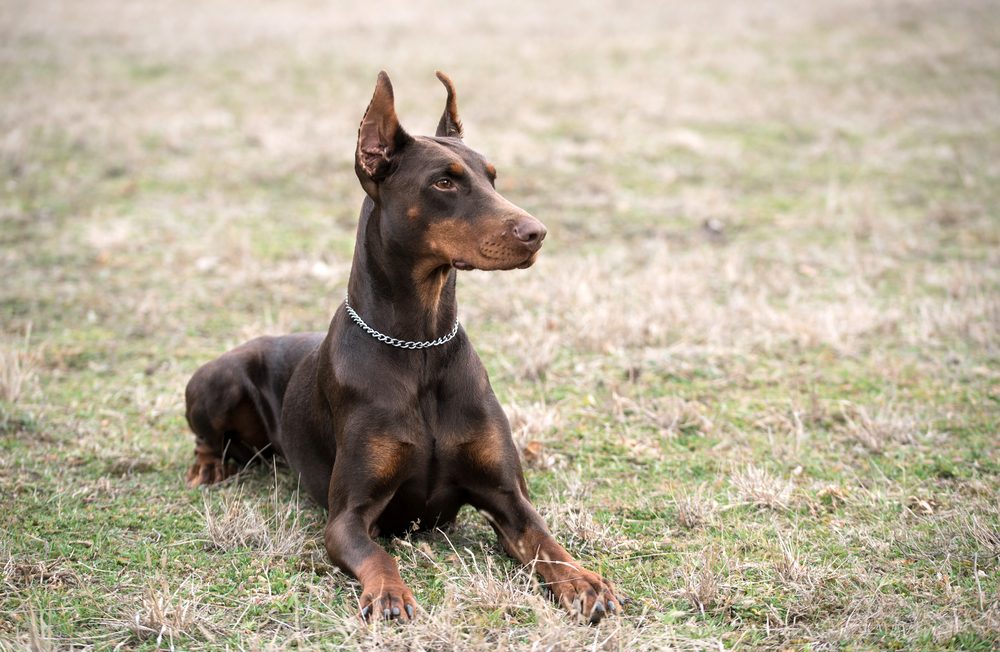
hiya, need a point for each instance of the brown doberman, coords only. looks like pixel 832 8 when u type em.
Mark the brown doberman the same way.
pixel 389 417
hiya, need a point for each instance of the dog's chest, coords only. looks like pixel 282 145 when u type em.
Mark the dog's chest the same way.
pixel 427 499
pixel 430 495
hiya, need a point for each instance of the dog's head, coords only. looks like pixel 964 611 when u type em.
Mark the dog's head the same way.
pixel 437 197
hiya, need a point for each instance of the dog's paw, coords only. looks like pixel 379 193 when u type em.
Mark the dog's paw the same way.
pixel 206 472
pixel 388 602
pixel 588 597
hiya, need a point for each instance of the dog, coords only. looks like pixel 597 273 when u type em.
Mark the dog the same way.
pixel 389 417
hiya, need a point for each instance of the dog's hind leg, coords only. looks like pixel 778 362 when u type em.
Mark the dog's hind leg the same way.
pixel 234 403
pixel 230 420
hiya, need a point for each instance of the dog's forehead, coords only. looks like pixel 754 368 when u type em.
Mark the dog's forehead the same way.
pixel 441 151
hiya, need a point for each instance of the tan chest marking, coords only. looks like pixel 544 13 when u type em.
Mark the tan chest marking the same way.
pixel 385 458
pixel 486 451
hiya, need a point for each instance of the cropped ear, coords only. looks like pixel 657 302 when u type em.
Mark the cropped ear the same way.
pixel 380 137
pixel 450 124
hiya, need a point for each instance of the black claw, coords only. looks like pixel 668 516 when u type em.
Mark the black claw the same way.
pixel 385 613
pixel 395 611
pixel 365 611
pixel 612 607
pixel 598 608
pixel 409 611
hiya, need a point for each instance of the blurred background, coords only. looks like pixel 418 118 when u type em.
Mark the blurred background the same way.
pixel 764 324
pixel 165 160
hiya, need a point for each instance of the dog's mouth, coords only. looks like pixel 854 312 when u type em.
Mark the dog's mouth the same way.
pixel 496 264
pixel 529 261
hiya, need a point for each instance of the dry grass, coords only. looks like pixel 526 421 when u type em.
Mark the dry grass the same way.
pixel 38 638
pixel 757 487
pixel 446 629
pixel 475 585
pixel 705 581
pixel 236 521
pixel 751 303
pixel 694 509
pixel 531 426
pixel 984 530
pixel 671 415
pixel 876 431
pixel 18 366
pixel 571 520
pixel 165 615
pixel 789 568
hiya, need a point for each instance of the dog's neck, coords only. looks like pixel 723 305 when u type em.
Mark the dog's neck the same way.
pixel 396 293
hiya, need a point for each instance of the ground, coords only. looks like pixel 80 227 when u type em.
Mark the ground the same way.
pixel 754 374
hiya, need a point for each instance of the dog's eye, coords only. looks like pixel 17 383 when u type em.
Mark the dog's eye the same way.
pixel 444 183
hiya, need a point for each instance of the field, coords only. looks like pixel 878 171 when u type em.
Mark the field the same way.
pixel 755 374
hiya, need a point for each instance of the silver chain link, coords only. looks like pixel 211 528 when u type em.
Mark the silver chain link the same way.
pixel 402 344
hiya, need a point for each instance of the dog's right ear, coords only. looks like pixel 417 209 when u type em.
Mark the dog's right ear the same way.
pixel 380 137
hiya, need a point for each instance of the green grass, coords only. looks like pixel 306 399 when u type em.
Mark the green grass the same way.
pixel 755 373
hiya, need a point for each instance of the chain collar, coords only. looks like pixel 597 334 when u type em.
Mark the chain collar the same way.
pixel 402 344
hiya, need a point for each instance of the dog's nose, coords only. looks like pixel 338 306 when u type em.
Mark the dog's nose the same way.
pixel 531 232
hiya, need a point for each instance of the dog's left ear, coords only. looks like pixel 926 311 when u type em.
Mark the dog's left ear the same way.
pixel 450 125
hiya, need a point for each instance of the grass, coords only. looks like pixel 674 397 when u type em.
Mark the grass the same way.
pixel 754 375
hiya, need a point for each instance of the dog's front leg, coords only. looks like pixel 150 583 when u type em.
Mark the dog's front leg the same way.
pixel 363 481
pixel 523 534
